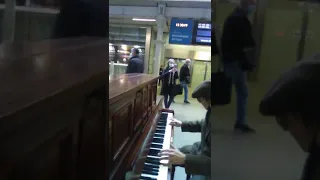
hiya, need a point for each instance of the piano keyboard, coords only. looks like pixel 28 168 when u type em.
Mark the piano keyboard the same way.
pixel 153 170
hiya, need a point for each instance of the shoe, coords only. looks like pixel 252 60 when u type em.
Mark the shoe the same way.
pixel 244 128
pixel 186 102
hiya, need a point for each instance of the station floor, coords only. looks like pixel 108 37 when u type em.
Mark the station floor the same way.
pixel 270 154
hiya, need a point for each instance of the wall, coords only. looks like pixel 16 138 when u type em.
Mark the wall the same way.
pixel 281 36
pixel 33 26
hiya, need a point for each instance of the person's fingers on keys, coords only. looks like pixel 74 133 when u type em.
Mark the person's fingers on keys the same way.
pixel 164 158
pixel 164 151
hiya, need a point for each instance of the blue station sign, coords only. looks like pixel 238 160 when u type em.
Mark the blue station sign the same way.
pixel 181 31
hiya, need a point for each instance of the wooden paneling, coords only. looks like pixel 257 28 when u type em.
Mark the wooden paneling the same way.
pixel 57 121
pixel 131 116
pixel 53 112
pixel 121 131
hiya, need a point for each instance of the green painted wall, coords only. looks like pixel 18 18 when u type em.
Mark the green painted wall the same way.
pixel 278 51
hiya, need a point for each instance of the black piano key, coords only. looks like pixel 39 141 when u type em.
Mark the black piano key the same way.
pixel 160 131
pixel 151 161
pixel 158 146
pixel 157 140
pixel 154 152
pixel 150 172
pixel 152 166
pixel 159 136
pixel 146 178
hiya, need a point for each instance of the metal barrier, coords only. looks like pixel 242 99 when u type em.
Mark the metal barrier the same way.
pixel 117 68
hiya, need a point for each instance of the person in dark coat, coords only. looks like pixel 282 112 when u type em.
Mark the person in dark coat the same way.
pixel 160 72
pixel 185 79
pixel 215 49
pixel 135 64
pixel 169 77
pixel 236 43
pixel 195 158
pixel 82 18
pixel 293 100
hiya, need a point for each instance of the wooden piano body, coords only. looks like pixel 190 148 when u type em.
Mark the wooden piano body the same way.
pixel 133 111
pixel 56 119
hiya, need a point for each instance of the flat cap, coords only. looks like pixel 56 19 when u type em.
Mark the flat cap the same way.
pixel 296 90
pixel 203 90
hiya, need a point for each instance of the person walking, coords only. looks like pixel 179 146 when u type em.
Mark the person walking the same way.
pixel 185 79
pixel 236 42
pixel 169 77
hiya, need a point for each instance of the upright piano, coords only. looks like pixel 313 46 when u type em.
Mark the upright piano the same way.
pixel 63 118
pixel 138 127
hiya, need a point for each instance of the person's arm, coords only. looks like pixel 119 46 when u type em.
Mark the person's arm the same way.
pixel 191 126
pixel 197 165
pixel 176 76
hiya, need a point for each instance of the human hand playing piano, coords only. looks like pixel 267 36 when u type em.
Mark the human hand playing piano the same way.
pixel 175 122
pixel 173 155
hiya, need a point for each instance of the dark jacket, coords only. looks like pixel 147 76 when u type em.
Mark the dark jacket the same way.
pixel 135 65
pixel 168 81
pixel 236 36
pixel 215 49
pixel 312 165
pixel 184 74
pixel 160 71
pixel 82 18
pixel 199 162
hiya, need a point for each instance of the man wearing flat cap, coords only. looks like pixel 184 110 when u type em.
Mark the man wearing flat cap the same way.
pixel 294 101
pixel 195 158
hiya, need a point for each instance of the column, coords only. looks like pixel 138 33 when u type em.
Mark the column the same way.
pixel 9 21
pixel 159 44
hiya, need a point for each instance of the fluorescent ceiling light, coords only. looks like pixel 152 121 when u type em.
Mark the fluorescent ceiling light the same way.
pixel 146 20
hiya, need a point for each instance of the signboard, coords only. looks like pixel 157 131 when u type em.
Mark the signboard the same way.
pixel 181 31
pixel 202 33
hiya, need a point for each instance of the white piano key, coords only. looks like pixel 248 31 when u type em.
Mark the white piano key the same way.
pixel 148 175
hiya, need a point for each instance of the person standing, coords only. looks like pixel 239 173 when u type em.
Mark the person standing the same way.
pixel 236 43
pixel 135 64
pixel 160 72
pixel 169 77
pixel 185 79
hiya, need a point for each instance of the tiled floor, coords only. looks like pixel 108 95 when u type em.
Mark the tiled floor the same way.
pixel 271 154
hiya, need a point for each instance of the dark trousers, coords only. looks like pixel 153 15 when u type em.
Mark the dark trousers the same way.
pixel 168 100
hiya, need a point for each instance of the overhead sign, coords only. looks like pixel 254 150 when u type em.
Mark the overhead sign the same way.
pixel 181 31
pixel 202 33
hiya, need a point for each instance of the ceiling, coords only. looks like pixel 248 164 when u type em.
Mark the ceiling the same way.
pixel 148 3
pixel 169 3
pixel 125 21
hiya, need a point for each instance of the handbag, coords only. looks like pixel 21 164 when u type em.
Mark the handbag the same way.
pixel 177 89
pixel 221 87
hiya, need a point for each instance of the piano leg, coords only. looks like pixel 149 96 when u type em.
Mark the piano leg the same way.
pixel 173 169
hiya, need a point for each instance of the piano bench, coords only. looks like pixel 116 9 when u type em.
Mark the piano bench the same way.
pixel 173 169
